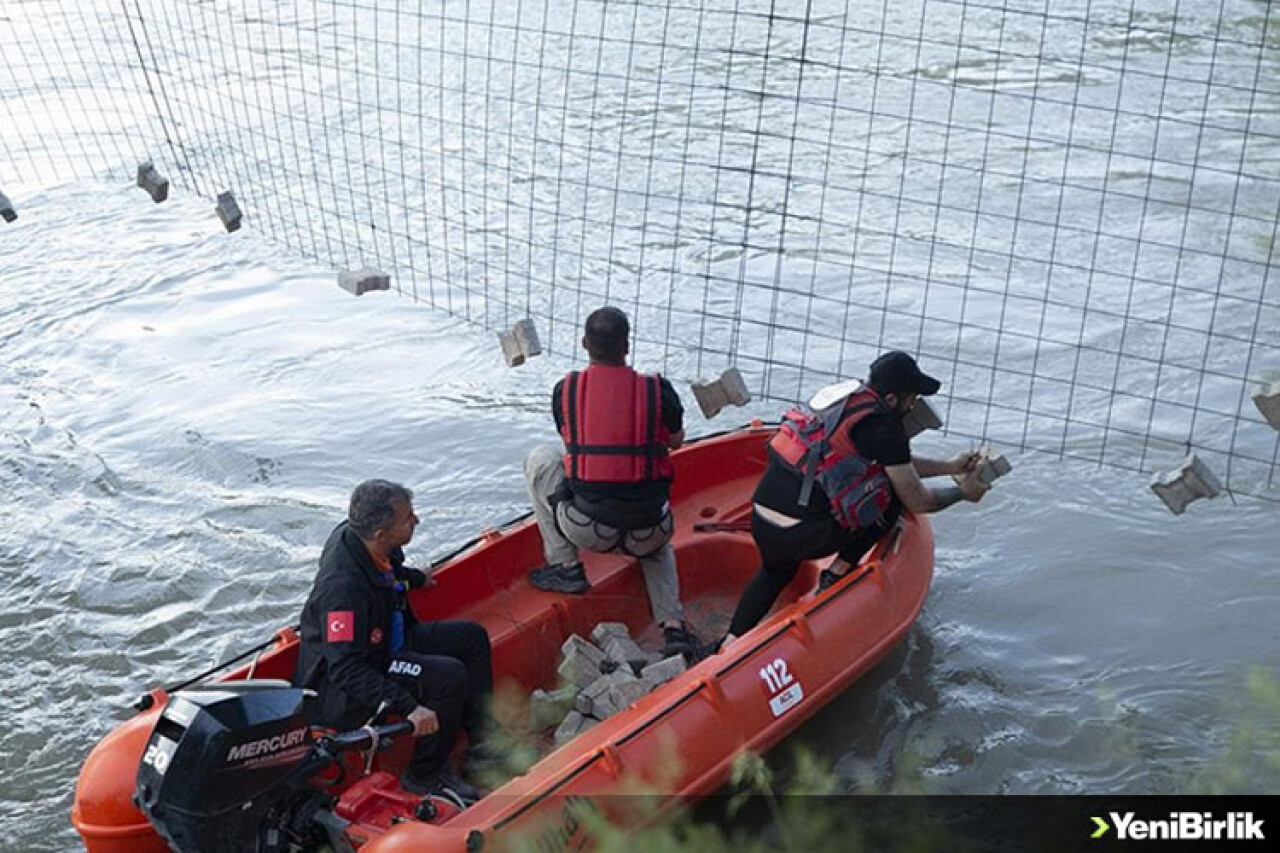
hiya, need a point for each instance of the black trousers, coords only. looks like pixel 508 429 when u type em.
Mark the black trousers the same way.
pixel 446 665
pixel 783 549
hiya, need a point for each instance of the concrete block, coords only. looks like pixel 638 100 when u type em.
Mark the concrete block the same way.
pixel 603 694
pixel 996 466
pixel 1266 398
pixel 546 709
pixel 650 658
pixel 624 690
pixel 624 650
pixel 714 394
pixel 521 343
pixel 591 699
pixel 663 671
pixel 360 282
pixel 581 661
pixel 622 676
pixel 229 211
pixel 6 209
pixel 604 707
pixel 1189 482
pixel 634 667
pixel 609 694
pixel 601 633
pixel 920 418
pixel 156 184
pixel 574 724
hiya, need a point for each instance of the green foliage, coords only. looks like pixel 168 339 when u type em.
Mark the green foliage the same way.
pixel 1250 761
pixel 795 801
pixel 809 811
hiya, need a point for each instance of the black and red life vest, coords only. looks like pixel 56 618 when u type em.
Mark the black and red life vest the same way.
pixel 612 426
pixel 817 445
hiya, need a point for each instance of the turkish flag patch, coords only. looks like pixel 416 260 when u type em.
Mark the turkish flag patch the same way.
pixel 341 626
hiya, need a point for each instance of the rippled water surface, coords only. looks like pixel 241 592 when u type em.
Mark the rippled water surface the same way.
pixel 184 412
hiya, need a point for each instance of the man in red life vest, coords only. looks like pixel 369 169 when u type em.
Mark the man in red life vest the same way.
pixel 838 479
pixel 607 488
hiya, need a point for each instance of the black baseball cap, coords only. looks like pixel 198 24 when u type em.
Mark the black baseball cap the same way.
pixel 895 372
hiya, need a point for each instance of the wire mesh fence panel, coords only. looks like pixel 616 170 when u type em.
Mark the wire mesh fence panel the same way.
pixel 74 100
pixel 1067 210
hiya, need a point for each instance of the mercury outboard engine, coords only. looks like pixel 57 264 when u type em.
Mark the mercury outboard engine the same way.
pixel 226 770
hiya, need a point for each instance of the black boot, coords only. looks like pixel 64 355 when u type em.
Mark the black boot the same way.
pixel 561 578
pixel 679 640
pixel 442 782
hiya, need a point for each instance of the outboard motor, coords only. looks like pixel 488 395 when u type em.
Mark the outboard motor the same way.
pixel 226 770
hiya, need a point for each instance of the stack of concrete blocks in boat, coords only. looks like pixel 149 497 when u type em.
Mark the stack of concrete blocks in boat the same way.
pixel 601 677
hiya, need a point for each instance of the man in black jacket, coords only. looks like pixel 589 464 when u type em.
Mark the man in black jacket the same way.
pixel 362 646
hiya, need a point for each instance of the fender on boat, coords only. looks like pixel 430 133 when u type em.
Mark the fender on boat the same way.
pixel 104 813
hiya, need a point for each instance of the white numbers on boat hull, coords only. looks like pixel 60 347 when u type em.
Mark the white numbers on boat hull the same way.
pixel 784 691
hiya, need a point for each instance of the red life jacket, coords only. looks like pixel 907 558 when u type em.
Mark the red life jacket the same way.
pixel 817 445
pixel 612 426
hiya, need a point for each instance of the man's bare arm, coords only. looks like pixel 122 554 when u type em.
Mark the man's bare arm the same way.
pixel 919 498
pixel 961 463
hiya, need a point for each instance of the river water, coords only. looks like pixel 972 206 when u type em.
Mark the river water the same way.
pixel 183 413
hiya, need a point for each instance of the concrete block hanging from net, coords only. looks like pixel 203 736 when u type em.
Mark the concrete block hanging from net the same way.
pixel 228 210
pixel 155 184
pixel 1267 399
pixel 520 343
pixel 730 389
pixel 1190 481
pixel 360 282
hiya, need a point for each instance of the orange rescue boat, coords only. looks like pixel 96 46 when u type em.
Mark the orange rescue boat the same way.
pixel 678 741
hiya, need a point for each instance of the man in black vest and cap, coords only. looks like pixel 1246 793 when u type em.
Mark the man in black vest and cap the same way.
pixel 838 479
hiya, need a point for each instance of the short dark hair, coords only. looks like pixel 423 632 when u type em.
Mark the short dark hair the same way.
pixel 605 334
pixel 371 506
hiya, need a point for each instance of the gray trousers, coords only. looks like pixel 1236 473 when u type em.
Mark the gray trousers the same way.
pixel 565 529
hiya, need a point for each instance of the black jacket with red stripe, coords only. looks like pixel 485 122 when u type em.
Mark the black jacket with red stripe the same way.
pixel 346 633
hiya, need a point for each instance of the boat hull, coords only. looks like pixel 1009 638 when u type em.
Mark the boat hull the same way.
pixel 677 743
